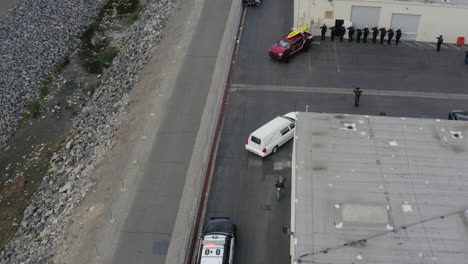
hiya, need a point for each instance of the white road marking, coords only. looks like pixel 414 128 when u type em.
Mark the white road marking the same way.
pixel 310 64
pixel 331 90
pixel 315 43
pixel 407 43
pixel 415 42
pixel 431 45
pixel 336 58
pixel 453 46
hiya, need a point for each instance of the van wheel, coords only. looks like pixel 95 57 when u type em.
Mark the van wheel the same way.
pixel 274 149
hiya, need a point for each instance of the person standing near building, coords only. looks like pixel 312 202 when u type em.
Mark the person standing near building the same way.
pixel 366 33
pixel 350 33
pixel 440 40
pixel 342 33
pixel 358 35
pixel 390 36
pixel 324 30
pixel 383 32
pixel 398 36
pixel 357 95
pixel 375 33
pixel 332 33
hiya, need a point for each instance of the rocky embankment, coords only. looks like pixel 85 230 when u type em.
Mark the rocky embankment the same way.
pixel 36 36
pixel 29 50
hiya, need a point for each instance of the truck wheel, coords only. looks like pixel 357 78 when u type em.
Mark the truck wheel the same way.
pixel 258 4
pixel 286 56
pixel 306 46
pixel 245 4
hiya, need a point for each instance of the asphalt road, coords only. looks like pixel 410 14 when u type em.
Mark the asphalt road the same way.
pixel 411 80
pixel 411 66
pixel 243 186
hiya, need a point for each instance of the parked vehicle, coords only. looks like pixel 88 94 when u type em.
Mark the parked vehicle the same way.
pixel 268 138
pixel 458 115
pixel 217 242
pixel 252 2
pixel 295 41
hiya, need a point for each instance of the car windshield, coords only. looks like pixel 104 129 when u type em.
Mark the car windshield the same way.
pixel 214 226
pixel 284 43
pixel 289 118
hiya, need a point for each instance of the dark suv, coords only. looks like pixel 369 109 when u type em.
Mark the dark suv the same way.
pixel 217 242
pixel 252 2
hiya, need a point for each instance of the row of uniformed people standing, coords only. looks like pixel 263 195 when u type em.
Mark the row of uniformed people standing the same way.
pixel 340 32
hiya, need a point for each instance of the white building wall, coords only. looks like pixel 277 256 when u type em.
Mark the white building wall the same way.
pixel 447 20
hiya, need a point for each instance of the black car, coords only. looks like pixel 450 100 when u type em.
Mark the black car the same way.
pixel 458 115
pixel 252 2
pixel 217 242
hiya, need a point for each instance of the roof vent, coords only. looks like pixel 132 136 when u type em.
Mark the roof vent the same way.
pixel 456 134
pixel 349 126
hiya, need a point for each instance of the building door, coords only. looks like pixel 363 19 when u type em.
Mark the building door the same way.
pixel 408 24
pixel 362 16
pixel 338 23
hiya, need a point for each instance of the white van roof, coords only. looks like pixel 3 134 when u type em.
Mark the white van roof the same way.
pixel 271 126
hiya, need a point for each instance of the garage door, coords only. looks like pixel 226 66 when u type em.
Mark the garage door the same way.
pixel 408 23
pixel 362 16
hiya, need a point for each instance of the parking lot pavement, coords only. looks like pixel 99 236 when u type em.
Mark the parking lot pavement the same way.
pixel 342 64
pixel 419 105
pixel 409 80
pixel 242 186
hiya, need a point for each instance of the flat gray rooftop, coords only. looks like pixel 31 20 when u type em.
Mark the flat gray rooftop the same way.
pixel 441 2
pixel 374 189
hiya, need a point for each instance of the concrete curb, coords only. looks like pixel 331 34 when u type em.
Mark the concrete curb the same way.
pixel 198 172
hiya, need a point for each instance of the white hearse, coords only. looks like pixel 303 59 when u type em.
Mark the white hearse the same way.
pixel 268 138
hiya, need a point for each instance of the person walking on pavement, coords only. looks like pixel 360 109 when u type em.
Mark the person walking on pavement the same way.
pixel 375 33
pixel 342 33
pixel 357 95
pixel 350 33
pixel 440 40
pixel 398 36
pixel 390 36
pixel 332 33
pixel 383 32
pixel 280 188
pixel 324 30
pixel 358 35
pixel 366 33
